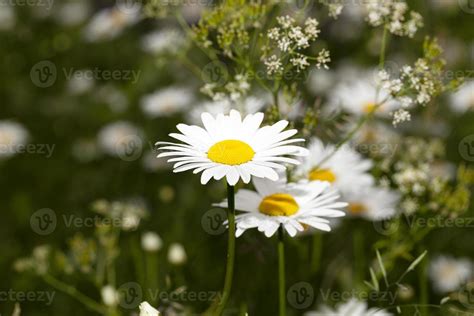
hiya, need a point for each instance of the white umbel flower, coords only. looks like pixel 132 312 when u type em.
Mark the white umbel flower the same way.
pixel 166 102
pixel 372 203
pixel 345 169
pixel 109 23
pixel 292 205
pixel 110 296
pixel 449 274
pixel 147 310
pixel 230 147
pixel 12 136
pixel 151 242
pixel 353 307
pixel 361 96
pixel 463 99
pixel 177 254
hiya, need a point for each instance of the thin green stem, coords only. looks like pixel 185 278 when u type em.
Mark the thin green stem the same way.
pixel 383 48
pixel 281 271
pixel 423 279
pixel 72 291
pixel 359 262
pixel 316 252
pixel 230 250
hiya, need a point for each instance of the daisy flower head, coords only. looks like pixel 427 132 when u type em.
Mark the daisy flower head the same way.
pixel 291 205
pixel 361 96
pixel 372 203
pixel 12 136
pixel 449 274
pixel 109 23
pixel 353 307
pixel 233 148
pixel 344 169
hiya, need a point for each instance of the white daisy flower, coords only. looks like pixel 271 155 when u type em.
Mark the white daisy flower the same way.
pixel 292 205
pixel 80 82
pixel 119 138
pixel 177 254
pixel 147 310
pixel 12 137
pixel 449 274
pixel 109 23
pixel 360 96
pixel 463 99
pixel 353 307
pixel 372 203
pixel 151 242
pixel 163 41
pixel 344 169
pixel 246 105
pixel 166 102
pixel 230 147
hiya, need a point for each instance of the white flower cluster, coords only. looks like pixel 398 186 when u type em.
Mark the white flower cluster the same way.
pixel 290 39
pixel 395 16
pixel 416 85
pixel 233 90
pixel 334 6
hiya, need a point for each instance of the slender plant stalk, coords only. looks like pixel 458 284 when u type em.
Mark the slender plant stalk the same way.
pixel 316 252
pixel 73 292
pixel 230 250
pixel 281 272
pixel 423 279
pixel 383 48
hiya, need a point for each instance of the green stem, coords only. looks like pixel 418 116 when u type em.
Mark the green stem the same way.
pixel 316 252
pixel 383 48
pixel 230 250
pixel 359 262
pixel 73 292
pixel 423 279
pixel 281 271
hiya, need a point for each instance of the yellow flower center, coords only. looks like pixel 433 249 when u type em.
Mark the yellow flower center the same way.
pixel 230 152
pixel 369 107
pixel 278 204
pixel 357 208
pixel 322 175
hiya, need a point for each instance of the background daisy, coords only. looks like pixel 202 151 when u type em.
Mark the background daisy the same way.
pixel 291 205
pixel 353 307
pixel 448 274
pixel 345 169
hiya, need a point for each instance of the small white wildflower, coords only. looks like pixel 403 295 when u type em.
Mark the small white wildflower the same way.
pixel 110 296
pixel 274 65
pixel 300 62
pixel 311 28
pixel 147 310
pixel 274 33
pixel 400 116
pixel 323 59
pixel 285 21
pixel 177 254
pixel 151 242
